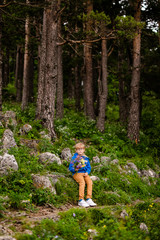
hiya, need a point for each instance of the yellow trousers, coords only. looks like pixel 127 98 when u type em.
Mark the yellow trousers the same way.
pixel 82 180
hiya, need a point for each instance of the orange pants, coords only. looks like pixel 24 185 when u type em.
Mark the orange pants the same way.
pixel 81 180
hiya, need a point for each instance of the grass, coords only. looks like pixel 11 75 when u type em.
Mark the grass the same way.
pixel 114 191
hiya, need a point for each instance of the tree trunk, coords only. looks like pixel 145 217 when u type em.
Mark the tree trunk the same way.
pixel 1 59
pixel 5 68
pixel 102 89
pixel 59 103
pixel 25 93
pixel 123 106
pixel 31 78
pixel 134 112
pixel 88 83
pixel 48 68
pixel 19 73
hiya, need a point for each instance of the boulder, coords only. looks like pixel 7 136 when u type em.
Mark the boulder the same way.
pixel 7 163
pixel 8 118
pixel 25 129
pixel 47 158
pixel 45 136
pixel 105 160
pixel 6 237
pixel 66 154
pixel 149 173
pixel 124 214
pixel 96 159
pixel 94 178
pixel 43 182
pixel 144 227
pixel 8 140
pixel 114 162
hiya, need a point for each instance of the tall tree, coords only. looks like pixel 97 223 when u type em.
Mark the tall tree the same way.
pixel 19 73
pixel 26 75
pixel 102 88
pixel 134 112
pixel 48 68
pixel 1 58
pixel 88 81
pixel 59 103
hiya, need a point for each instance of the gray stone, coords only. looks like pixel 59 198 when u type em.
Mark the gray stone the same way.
pixel 94 178
pixel 149 173
pixel 44 135
pixel 144 227
pixel 43 182
pixel 8 140
pixel 115 162
pixel 8 119
pixel 124 214
pixel 66 154
pixel 25 129
pixel 105 160
pixel 47 158
pixel 6 237
pixel 8 163
pixel 131 166
pixel 96 159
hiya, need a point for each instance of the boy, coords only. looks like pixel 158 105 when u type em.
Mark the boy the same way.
pixel 81 168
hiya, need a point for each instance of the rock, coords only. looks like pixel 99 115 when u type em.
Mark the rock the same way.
pixel 6 237
pixel 144 227
pixel 93 233
pixel 44 135
pixel 31 143
pixel 94 178
pixel 66 154
pixel 8 119
pixel 47 158
pixel 96 159
pixel 54 177
pixel 115 162
pixel 43 182
pixel 131 166
pixel 25 129
pixel 105 160
pixel 7 163
pixel 124 214
pixel 5 231
pixel 8 140
pixel 149 173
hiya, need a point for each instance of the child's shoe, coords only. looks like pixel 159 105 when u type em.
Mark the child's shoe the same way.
pixel 83 203
pixel 90 202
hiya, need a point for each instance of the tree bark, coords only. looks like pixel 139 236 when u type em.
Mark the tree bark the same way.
pixel 48 68
pixel 88 83
pixel 134 112
pixel 59 103
pixel 25 93
pixel 123 106
pixel 19 73
pixel 1 60
pixel 5 68
pixel 102 89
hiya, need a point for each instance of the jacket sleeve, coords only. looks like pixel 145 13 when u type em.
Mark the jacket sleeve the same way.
pixel 87 168
pixel 71 165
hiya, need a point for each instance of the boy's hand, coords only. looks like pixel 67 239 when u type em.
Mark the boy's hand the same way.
pixel 86 174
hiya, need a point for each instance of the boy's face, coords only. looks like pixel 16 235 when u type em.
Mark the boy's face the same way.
pixel 80 151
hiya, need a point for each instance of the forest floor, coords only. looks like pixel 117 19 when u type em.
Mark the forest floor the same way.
pixel 20 221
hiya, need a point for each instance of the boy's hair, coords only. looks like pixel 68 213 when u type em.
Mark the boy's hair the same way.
pixel 79 145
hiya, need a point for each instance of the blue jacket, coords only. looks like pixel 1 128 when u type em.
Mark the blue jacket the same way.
pixel 85 169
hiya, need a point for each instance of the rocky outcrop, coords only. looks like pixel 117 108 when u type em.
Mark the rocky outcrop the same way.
pixel 8 119
pixel 8 163
pixel 47 158
pixel 8 140
pixel 66 154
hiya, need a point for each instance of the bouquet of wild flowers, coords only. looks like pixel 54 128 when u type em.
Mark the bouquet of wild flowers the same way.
pixel 79 162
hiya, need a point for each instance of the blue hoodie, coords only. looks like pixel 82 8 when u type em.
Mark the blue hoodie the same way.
pixel 85 169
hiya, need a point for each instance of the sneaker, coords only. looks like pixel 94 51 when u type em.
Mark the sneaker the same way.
pixel 83 203
pixel 90 202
